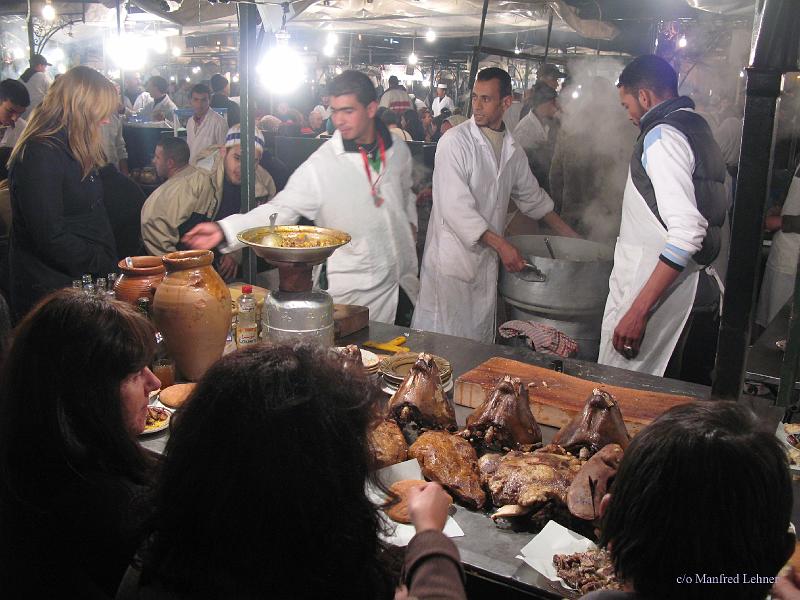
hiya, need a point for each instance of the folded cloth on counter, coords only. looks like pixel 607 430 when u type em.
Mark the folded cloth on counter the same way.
pixel 540 337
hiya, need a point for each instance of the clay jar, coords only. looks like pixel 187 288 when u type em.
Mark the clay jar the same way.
pixel 192 309
pixel 139 280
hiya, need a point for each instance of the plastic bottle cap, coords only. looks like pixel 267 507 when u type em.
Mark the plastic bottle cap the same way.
pixel 247 289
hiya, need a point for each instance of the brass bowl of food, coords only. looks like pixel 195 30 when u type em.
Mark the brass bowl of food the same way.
pixel 298 243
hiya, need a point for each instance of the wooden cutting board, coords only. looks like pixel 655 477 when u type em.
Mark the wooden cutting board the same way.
pixel 349 318
pixel 557 397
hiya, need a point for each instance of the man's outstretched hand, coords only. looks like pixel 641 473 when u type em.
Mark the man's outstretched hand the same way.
pixel 204 236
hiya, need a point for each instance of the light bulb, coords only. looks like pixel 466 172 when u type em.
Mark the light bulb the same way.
pixel 412 59
pixel 517 50
pixel 329 50
pixel 575 95
pixel 682 42
pixel 176 52
pixel 195 70
pixel 430 36
pixel 48 12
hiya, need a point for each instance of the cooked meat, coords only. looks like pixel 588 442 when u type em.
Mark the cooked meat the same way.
pixel 388 444
pixel 592 482
pixel 587 571
pixel 420 399
pixel 487 465
pixel 451 461
pixel 599 424
pixel 504 421
pixel 533 478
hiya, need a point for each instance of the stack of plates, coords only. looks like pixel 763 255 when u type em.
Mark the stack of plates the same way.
pixel 370 361
pixel 394 369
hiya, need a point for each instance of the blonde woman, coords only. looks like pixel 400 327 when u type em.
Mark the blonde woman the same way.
pixel 60 229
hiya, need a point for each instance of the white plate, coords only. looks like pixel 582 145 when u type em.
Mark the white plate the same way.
pixel 781 434
pixel 162 425
pixel 391 390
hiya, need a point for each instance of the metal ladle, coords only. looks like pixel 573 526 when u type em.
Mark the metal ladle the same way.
pixel 549 248
pixel 272 239
pixel 531 273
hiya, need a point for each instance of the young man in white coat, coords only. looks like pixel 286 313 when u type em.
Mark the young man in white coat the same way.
pixel 479 168
pixel 207 127
pixel 358 182
pixel 442 100
pixel 672 212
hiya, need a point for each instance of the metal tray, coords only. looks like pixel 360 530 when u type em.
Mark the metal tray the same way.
pixel 332 238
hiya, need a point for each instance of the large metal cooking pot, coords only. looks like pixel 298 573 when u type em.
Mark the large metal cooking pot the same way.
pixel 572 296
pixel 576 280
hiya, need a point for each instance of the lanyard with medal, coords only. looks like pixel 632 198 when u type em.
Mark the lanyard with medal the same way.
pixel 374 185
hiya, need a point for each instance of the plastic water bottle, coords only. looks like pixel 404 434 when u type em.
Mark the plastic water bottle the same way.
pixel 246 325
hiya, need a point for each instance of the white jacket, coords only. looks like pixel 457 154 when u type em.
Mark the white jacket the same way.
pixel 458 292
pixel 530 132
pixel 331 188
pixel 211 132
pixel 165 106
pixel 37 87
pixel 439 104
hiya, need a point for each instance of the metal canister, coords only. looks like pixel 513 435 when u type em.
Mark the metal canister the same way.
pixel 290 317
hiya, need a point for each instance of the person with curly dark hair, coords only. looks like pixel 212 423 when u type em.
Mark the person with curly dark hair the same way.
pixel 74 481
pixel 703 493
pixel 262 492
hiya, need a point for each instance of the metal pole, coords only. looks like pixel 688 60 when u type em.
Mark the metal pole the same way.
pixel 29 22
pixel 549 33
pixel 473 70
pixel 791 357
pixel 121 70
pixel 350 53
pixel 248 24
pixel 775 51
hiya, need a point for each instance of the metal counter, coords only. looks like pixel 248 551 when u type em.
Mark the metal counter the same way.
pixel 764 359
pixel 486 551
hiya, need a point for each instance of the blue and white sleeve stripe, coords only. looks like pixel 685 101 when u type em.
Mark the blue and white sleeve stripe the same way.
pixel 675 257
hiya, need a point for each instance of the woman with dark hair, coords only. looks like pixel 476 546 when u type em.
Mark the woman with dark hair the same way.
pixel 411 123
pixel 73 478
pixel 701 492
pixel 262 492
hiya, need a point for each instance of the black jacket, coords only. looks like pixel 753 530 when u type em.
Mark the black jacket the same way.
pixel 60 229
pixel 234 112
pixel 709 171
pixel 124 200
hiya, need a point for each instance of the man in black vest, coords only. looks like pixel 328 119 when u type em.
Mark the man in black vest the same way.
pixel 673 208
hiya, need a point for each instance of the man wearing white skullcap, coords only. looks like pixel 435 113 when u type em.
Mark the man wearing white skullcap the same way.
pixel 212 192
pixel 442 100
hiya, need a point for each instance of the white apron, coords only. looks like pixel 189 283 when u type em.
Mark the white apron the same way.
pixel 641 241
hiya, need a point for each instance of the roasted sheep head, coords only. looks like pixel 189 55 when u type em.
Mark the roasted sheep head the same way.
pixel 504 421
pixel 451 461
pixel 420 402
pixel 351 358
pixel 599 424
pixel 388 444
pixel 592 482
pixel 527 483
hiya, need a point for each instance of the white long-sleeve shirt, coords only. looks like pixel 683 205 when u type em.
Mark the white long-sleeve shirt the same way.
pixel 669 162
pixel 113 142
pixel 9 135
pixel 210 132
